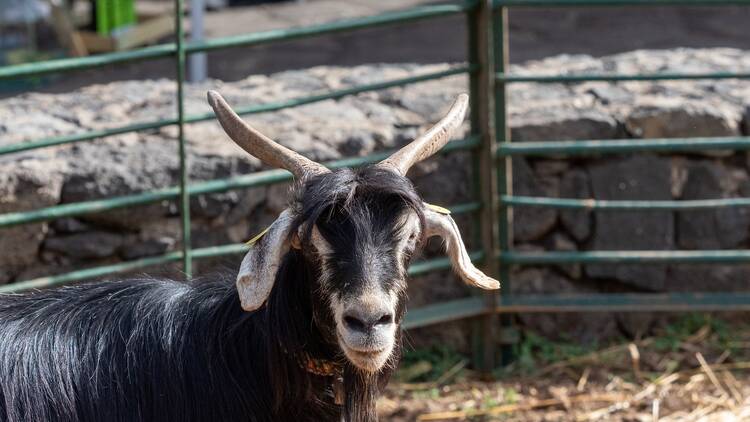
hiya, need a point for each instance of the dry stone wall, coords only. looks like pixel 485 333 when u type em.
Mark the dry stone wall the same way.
pixel 356 126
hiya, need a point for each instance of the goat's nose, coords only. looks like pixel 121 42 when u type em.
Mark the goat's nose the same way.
pixel 362 323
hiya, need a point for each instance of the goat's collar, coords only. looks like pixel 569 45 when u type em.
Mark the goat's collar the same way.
pixel 325 368
pixel 322 367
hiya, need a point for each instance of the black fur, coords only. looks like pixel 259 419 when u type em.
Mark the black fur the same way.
pixel 159 350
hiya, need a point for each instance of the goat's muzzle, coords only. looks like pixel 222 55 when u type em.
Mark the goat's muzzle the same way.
pixel 366 329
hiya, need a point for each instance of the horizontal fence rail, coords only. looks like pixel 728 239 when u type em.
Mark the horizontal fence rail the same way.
pixel 82 137
pixel 508 303
pixel 82 63
pixel 666 76
pixel 627 257
pixel 604 205
pixel 625 302
pixel 346 25
pixel 439 313
pixel 610 302
pixel 262 108
pixel 334 95
pixel 257 38
pixel 416 268
pixel 260 178
pixel 616 146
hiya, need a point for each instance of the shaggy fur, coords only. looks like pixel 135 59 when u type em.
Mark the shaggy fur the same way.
pixel 159 350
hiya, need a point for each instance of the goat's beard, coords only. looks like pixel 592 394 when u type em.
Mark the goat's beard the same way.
pixel 363 387
pixel 361 395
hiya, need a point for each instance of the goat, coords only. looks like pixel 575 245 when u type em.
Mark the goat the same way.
pixel 308 330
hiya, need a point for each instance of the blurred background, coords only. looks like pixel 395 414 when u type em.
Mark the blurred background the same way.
pixel 28 32
pixel 566 364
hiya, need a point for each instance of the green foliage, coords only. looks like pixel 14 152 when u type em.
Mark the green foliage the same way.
pixel 511 395
pixel 437 360
pixel 534 351
pixel 674 334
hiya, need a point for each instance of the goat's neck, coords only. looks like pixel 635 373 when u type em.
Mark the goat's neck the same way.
pixel 293 334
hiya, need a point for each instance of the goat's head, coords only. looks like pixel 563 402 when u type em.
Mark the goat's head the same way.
pixel 358 230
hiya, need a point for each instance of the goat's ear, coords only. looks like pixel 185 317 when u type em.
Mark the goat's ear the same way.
pixel 258 269
pixel 441 224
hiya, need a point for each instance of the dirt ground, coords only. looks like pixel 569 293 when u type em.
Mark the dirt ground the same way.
pixel 679 375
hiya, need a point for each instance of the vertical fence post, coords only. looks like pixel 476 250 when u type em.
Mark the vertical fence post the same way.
pixel 481 82
pixel 184 197
pixel 505 165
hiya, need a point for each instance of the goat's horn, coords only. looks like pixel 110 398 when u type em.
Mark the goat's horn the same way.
pixel 259 145
pixel 431 141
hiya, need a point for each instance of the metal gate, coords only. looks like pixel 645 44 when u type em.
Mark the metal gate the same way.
pixel 489 141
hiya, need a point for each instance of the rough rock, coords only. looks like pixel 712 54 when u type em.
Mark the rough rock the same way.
pixel 69 225
pixel 551 168
pixel 529 223
pixel 668 117
pixel 249 201
pixel 148 247
pixel 710 229
pixel 579 327
pixel 121 166
pixel 636 324
pixel 428 99
pixel 575 184
pixel 607 93
pixel 451 173
pixel 563 124
pixel 437 286
pixel 708 278
pixel 561 242
pixel 35 124
pixel 213 205
pixel 86 245
pixel 456 333
pixel 358 143
pixel 278 197
pixel 643 177
pixel 25 185
pixel 167 230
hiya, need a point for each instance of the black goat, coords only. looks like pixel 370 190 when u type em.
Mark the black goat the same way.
pixel 330 271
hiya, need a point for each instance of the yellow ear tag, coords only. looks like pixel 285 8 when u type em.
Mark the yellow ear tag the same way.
pixel 438 209
pixel 257 237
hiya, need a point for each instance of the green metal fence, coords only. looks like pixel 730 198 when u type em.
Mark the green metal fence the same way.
pixel 506 149
pixel 185 190
pixel 487 65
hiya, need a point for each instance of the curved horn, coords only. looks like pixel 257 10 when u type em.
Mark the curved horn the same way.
pixel 259 145
pixel 431 141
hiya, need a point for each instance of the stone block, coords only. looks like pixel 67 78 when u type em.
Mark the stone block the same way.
pixel 642 177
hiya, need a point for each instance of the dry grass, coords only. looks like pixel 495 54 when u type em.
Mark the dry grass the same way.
pixel 681 374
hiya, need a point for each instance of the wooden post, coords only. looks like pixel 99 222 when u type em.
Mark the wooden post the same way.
pixel 66 31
